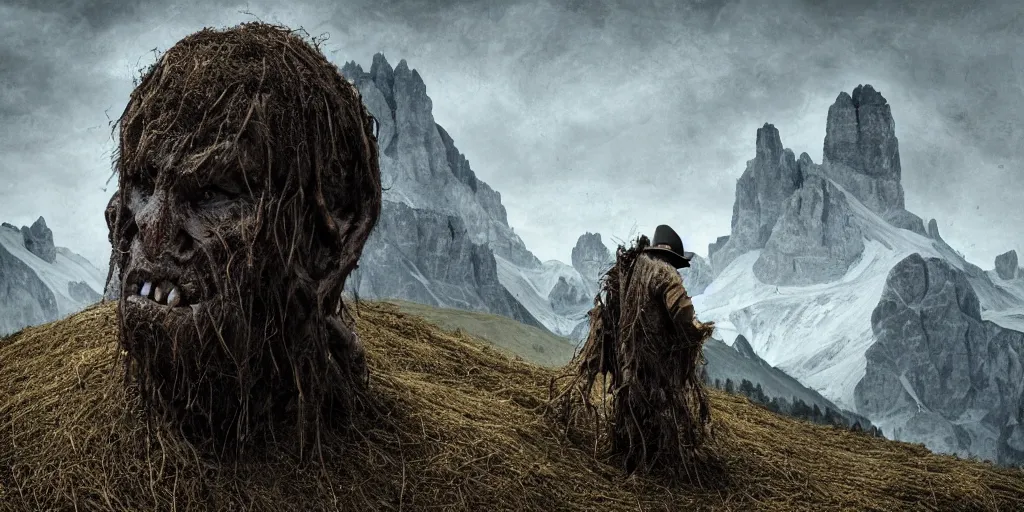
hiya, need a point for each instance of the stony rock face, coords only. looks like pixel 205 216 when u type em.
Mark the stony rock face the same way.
pixel 714 247
pixel 761 195
pixel 1006 265
pixel 861 151
pixel 39 240
pixel 429 257
pixel 903 219
pixel 697 276
pixel 861 156
pixel 591 258
pixel 815 240
pixel 568 298
pixel 441 226
pixel 420 165
pixel 940 372
pixel 489 199
pixel 743 347
pixel 24 299
pixel 933 230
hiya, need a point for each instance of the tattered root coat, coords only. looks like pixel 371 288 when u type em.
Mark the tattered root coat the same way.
pixel 644 333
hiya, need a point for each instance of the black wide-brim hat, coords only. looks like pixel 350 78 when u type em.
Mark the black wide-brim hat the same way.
pixel 676 256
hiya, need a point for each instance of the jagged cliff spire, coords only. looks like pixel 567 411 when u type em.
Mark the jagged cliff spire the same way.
pixel 861 151
pixel 761 194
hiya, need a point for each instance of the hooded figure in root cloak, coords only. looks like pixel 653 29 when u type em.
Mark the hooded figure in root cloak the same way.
pixel 644 334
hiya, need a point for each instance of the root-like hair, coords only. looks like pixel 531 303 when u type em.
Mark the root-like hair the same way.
pixel 659 411
pixel 276 342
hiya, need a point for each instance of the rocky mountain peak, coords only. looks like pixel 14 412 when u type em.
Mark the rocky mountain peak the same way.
pixel 861 156
pixel 698 276
pixel 933 230
pixel 420 163
pixel 813 241
pixel 861 151
pixel 743 347
pixel 384 76
pixel 805 161
pixel 761 194
pixel 865 95
pixel 412 80
pixel 1006 265
pixel 565 297
pixel 935 358
pixel 39 240
pixel 590 257
pixel 769 143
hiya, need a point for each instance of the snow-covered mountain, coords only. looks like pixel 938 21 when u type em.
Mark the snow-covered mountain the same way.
pixel 809 259
pixel 40 282
pixel 558 294
pixel 533 287
pixel 819 333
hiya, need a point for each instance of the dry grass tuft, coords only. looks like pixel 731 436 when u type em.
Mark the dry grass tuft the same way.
pixel 462 431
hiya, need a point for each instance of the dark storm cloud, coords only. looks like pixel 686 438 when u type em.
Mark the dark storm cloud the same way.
pixel 600 115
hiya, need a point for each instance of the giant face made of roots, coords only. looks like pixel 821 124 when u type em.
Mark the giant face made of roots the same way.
pixel 248 185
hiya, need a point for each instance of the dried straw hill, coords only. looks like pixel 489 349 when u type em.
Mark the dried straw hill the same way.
pixel 462 435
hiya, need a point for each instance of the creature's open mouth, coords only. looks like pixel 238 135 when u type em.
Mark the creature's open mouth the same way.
pixel 161 290
pixel 164 293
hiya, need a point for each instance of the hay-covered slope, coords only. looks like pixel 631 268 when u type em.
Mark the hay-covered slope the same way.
pixel 462 435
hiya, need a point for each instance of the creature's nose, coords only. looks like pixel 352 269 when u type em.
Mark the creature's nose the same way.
pixel 161 230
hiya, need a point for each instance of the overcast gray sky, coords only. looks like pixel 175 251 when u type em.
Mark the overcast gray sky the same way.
pixel 587 115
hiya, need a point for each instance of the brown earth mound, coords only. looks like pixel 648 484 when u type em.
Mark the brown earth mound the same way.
pixel 464 432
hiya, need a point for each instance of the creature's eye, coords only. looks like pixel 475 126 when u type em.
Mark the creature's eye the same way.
pixel 215 193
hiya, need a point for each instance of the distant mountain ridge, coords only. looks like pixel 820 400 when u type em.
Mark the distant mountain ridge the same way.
pixel 40 282
pixel 815 249
pixel 420 165
pixel 440 227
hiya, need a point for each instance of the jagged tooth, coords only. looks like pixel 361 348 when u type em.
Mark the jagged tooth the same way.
pixel 145 289
pixel 158 294
pixel 167 286
pixel 173 297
